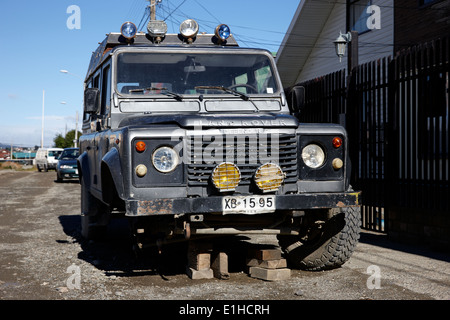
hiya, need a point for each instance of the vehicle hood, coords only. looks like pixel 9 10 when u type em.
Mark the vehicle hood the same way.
pixel 214 121
pixel 67 162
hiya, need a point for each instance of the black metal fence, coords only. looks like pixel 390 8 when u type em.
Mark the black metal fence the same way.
pixel 396 113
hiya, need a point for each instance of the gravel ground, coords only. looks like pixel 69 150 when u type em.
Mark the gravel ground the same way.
pixel 43 257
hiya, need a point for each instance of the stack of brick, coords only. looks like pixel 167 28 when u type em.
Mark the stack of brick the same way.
pixel 205 263
pixel 267 264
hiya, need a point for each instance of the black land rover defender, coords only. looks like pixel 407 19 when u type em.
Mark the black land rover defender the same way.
pixel 188 134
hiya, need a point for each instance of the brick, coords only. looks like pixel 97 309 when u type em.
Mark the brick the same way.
pixel 199 261
pixel 268 264
pixel 270 274
pixel 199 255
pixel 219 265
pixel 265 254
pixel 200 274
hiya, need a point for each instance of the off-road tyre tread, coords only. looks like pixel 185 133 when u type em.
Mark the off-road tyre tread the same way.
pixel 335 251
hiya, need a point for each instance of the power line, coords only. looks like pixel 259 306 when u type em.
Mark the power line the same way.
pixel 175 10
pixel 207 10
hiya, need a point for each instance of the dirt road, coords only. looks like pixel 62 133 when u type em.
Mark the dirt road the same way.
pixel 43 257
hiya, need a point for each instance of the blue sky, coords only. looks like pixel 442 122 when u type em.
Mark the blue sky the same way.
pixel 37 43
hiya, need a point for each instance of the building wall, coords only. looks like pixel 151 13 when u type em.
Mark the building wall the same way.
pixel 376 43
pixel 417 24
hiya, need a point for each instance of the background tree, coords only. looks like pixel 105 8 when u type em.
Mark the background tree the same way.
pixel 67 141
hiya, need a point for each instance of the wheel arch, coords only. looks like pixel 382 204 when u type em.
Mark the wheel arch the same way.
pixel 112 177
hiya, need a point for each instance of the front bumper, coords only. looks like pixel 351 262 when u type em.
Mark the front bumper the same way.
pixel 68 173
pixel 158 207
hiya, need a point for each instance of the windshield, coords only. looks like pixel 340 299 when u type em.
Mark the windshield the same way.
pixel 179 74
pixel 69 154
pixel 54 153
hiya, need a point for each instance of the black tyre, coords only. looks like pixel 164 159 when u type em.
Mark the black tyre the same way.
pixel 329 246
pixel 94 215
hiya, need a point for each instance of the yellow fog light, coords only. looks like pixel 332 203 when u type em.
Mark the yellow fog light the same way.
pixel 141 170
pixel 269 177
pixel 226 177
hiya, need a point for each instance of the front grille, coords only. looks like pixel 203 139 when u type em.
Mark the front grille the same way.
pixel 248 153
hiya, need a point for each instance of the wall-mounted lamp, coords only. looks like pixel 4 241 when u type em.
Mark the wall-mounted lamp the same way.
pixel 341 44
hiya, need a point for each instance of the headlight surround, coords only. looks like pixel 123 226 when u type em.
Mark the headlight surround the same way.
pixel 313 156
pixel 165 159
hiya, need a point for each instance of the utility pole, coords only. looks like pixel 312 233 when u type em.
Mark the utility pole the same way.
pixel 152 10
pixel 43 107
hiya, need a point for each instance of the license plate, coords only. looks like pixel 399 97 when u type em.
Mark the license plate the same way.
pixel 248 204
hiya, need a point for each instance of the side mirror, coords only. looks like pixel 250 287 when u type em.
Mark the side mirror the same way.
pixel 91 100
pixel 296 98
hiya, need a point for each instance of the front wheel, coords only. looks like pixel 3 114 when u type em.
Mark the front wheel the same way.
pixel 327 244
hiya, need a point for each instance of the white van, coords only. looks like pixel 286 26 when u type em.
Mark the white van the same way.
pixel 47 158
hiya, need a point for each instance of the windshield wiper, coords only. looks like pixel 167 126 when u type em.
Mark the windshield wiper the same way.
pixel 222 88
pixel 232 91
pixel 164 91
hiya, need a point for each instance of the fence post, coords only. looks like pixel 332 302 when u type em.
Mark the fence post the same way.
pixel 352 106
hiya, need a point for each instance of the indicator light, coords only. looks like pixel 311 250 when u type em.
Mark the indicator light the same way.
pixel 337 142
pixel 337 164
pixel 140 146
pixel 141 171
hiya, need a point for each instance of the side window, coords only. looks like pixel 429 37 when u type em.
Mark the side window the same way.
pixel 86 116
pixel 357 15
pixel 96 83
pixel 106 90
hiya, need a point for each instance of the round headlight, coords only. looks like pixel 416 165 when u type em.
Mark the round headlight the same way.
pixel 223 32
pixel 165 159
pixel 269 177
pixel 189 28
pixel 226 177
pixel 313 156
pixel 128 30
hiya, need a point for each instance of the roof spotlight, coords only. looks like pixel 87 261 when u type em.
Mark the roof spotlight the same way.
pixel 128 30
pixel 223 32
pixel 189 29
pixel 157 29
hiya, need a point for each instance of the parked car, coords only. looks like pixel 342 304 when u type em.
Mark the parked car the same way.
pixel 47 158
pixel 67 164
